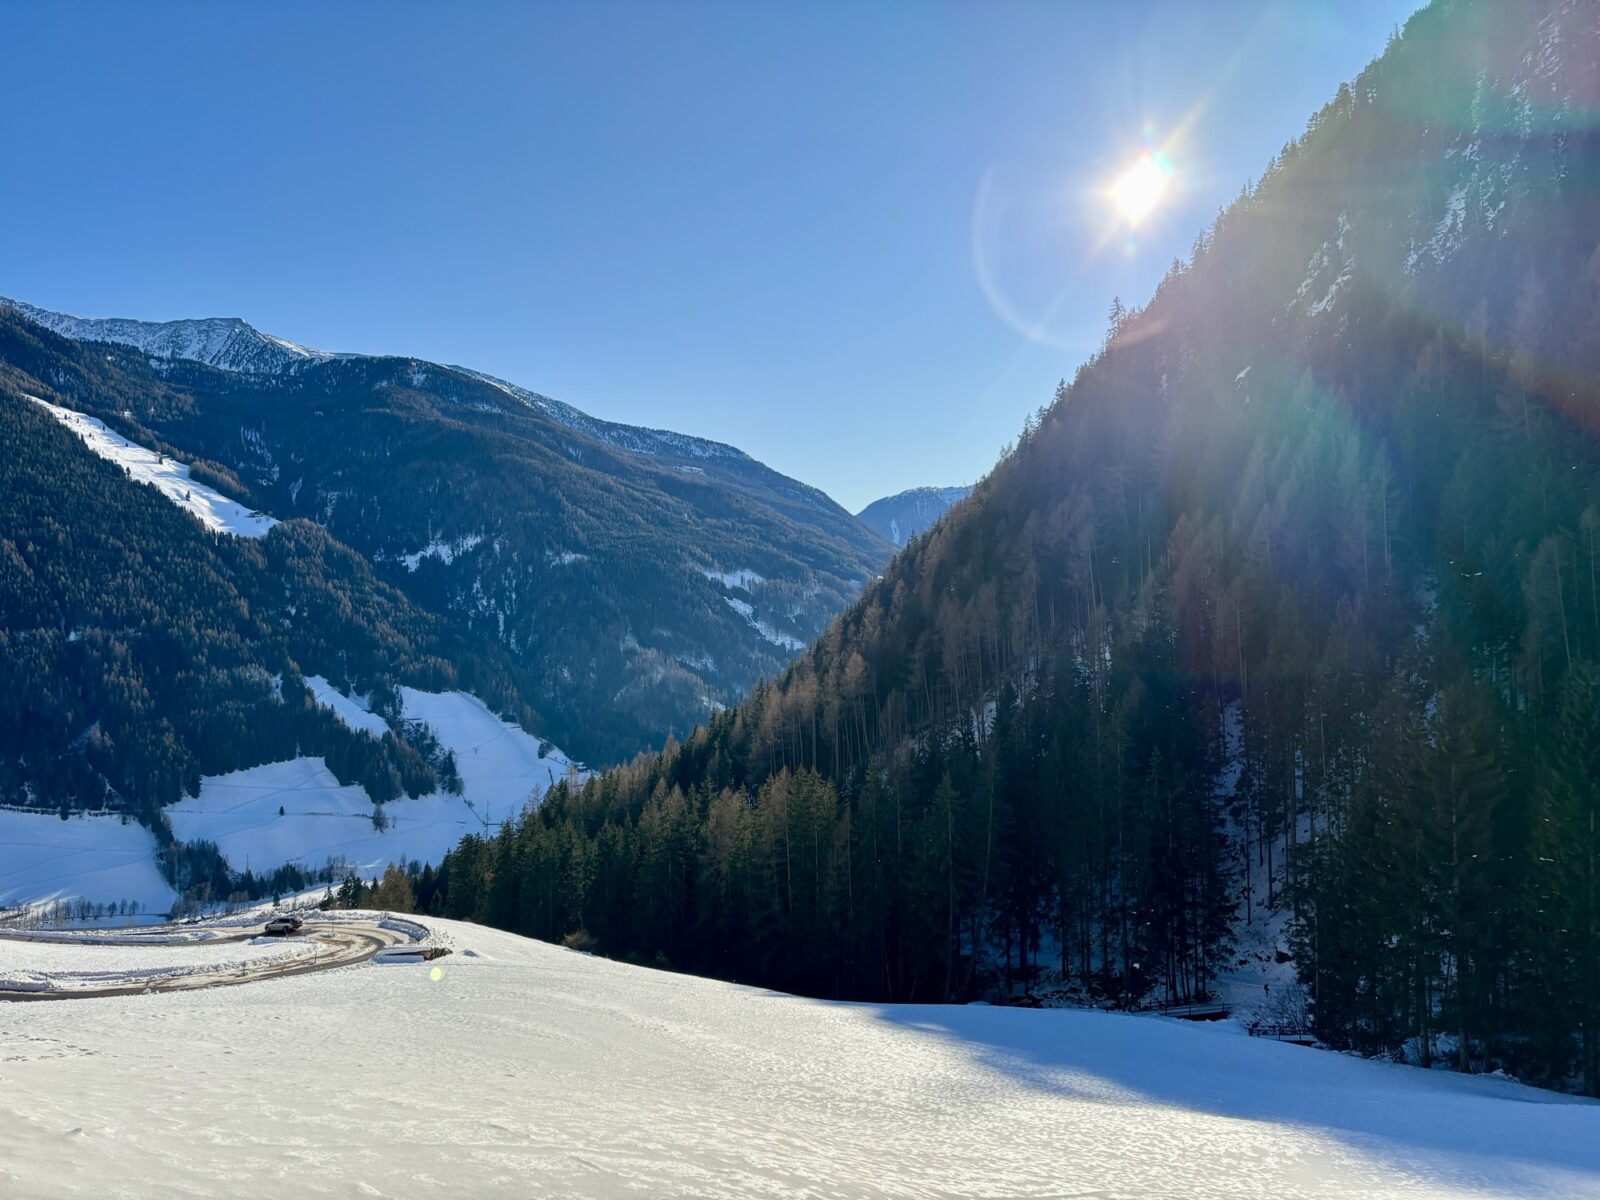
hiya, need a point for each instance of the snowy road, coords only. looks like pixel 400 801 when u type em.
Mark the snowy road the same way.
pixel 48 968
pixel 523 1069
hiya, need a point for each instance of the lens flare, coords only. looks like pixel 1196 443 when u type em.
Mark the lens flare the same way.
pixel 1139 190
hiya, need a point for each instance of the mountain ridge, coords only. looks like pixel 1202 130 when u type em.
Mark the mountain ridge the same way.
pixel 227 343
pixel 234 344
pixel 640 577
pixel 902 516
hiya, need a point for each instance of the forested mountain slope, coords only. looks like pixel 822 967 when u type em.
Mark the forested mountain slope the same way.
pixel 1284 611
pixel 140 650
pixel 635 578
pixel 900 517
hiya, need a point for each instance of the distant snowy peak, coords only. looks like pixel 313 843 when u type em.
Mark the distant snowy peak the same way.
pixel 228 343
pixel 233 344
pixel 902 516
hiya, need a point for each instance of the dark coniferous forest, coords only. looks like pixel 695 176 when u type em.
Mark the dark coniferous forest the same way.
pixel 1283 610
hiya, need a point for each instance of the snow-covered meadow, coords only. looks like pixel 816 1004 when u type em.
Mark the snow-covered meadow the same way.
pixel 44 858
pixel 351 710
pixel 530 1070
pixel 500 764
pixel 291 812
pixel 296 811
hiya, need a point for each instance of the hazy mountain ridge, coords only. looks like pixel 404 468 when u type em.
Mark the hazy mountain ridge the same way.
pixel 900 517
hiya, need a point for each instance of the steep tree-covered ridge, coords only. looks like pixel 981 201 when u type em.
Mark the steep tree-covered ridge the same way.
pixel 900 517
pixel 1276 634
pixel 636 579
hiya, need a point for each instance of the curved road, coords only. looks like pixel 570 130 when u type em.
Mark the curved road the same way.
pixel 339 944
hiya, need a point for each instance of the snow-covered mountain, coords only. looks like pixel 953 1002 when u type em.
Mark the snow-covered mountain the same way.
pixel 233 344
pixel 228 343
pixel 639 578
pixel 900 517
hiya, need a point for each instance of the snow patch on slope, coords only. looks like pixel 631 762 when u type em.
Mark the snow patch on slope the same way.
pixel 352 710
pixel 768 633
pixel 171 478
pixel 499 763
pixel 744 577
pixel 445 552
pixel 104 860
pixel 322 820
pixel 1332 253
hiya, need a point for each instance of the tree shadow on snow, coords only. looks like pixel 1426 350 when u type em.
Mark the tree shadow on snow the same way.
pixel 1475 1131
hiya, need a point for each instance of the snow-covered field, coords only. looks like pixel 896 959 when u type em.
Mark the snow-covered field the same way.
pixel 500 771
pixel 45 858
pixel 499 763
pixel 321 819
pixel 527 1070
pixel 214 510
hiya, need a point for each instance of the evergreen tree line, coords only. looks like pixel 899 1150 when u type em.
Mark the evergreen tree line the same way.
pixel 968 842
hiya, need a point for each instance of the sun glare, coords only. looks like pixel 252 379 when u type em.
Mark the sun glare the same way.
pixel 1138 190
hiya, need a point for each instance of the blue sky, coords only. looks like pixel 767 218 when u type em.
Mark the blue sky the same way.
pixel 859 240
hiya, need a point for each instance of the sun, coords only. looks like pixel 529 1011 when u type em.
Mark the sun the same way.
pixel 1139 190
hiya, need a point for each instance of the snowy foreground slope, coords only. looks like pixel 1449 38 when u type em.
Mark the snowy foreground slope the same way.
pixel 529 1070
